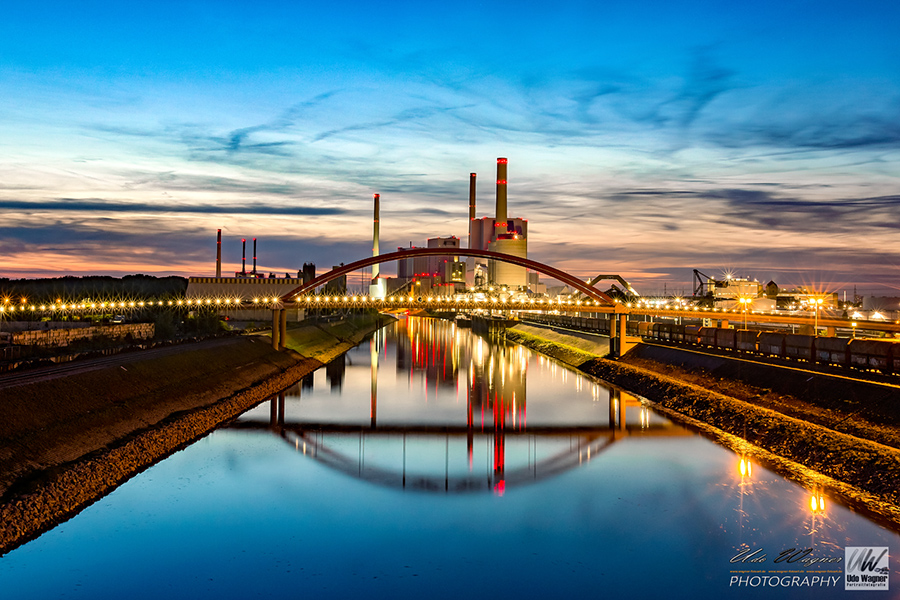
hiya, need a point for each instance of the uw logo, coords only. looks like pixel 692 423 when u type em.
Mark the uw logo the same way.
pixel 866 568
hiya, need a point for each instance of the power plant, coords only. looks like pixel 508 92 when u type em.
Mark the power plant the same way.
pixel 499 233
pixel 434 275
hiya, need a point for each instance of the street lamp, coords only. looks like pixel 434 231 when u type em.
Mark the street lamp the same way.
pixel 744 302
pixel 817 302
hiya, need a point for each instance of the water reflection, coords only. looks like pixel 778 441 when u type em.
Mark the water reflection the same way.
pixel 495 449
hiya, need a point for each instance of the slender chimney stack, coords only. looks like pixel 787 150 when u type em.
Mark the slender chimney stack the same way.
pixel 375 233
pixel 471 205
pixel 254 257
pixel 500 215
pixel 243 256
pixel 219 253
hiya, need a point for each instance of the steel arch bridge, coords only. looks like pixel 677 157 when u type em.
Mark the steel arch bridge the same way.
pixel 576 283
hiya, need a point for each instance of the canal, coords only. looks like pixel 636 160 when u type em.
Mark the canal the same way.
pixel 429 462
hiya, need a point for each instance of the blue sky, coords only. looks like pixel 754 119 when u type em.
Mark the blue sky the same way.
pixel 645 138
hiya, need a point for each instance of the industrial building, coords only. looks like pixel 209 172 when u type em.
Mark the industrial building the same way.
pixel 249 286
pixel 499 233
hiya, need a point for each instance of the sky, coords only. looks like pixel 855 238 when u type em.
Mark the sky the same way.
pixel 644 138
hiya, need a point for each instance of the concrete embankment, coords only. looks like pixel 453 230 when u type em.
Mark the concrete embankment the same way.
pixel 65 442
pixel 863 472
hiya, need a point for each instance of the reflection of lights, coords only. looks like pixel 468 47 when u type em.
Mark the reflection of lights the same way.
pixel 817 503
pixel 746 467
pixel 500 487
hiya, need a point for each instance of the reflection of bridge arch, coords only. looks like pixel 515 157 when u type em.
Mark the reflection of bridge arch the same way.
pixel 311 439
pixel 588 290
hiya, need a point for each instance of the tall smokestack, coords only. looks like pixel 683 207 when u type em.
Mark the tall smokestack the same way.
pixel 219 253
pixel 500 215
pixel 243 256
pixel 375 234
pixel 254 256
pixel 471 205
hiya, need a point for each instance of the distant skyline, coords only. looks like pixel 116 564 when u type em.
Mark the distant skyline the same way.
pixel 645 139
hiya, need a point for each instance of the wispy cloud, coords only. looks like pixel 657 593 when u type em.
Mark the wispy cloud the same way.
pixel 99 206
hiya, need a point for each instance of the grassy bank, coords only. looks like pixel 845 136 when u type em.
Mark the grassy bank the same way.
pixel 862 472
pixel 68 441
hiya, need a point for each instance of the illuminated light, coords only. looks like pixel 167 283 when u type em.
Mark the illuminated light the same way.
pixel 180 302
pixel 308 299
pixel 131 304
pixel 501 182
pixel 345 299
pixel 256 300
pixel 52 307
pixel 208 301
pixel 32 307
pixel 501 161
pixel 190 302
pixel 227 301
pixel 141 303
pixel 218 301
pixel 813 504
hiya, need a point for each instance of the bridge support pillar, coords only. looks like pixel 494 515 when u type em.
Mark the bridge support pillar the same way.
pixel 276 329
pixel 282 328
pixel 619 342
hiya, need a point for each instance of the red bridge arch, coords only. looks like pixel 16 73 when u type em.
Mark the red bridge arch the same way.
pixel 570 280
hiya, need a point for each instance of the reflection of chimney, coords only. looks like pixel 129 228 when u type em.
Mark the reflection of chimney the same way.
pixel 254 256
pixel 219 253
pixel 243 256
pixel 471 205
pixel 500 215
pixel 375 232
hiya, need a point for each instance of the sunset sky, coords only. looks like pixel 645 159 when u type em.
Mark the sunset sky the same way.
pixel 644 138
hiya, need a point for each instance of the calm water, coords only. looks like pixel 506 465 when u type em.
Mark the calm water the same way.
pixel 430 463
